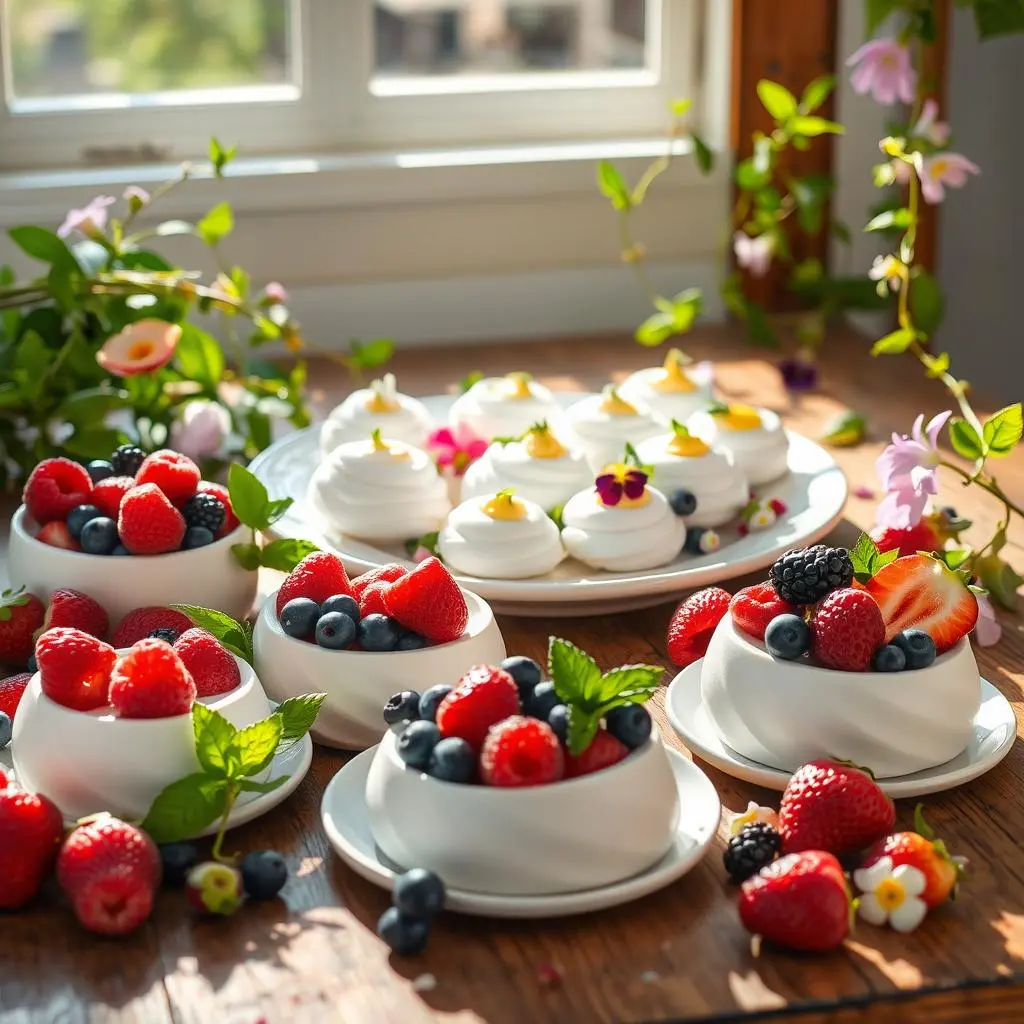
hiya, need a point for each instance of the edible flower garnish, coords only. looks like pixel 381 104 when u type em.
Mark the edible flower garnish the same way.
pixel 620 481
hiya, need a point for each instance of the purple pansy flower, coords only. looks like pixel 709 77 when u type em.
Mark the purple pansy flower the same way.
pixel 620 482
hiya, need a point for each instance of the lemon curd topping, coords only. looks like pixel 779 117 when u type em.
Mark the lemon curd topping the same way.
pixel 737 417
pixel 383 395
pixel 613 404
pixel 380 445
pixel 504 506
pixel 684 444
pixel 673 377
pixel 540 443
pixel 518 386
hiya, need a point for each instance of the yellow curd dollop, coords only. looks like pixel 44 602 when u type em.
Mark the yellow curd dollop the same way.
pixel 380 445
pixel 504 506
pixel 685 445
pixel 383 397
pixel 613 404
pixel 673 377
pixel 738 417
pixel 540 443
pixel 518 386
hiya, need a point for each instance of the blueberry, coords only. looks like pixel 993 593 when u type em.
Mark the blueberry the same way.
pixel 701 540
pixel 32 665
pixel 452 760
pixel 178 859
pixel 405 935
pixel 683 503
pixel 120 549
pixel 335 631
pixel 99 536
pixel 378 633
pixel 787 637
pixel 341 603
pixel 166 633
pixel 949 512
pixel 430 699
pixel 6 730
pixel 402 707
pixel 630 724
pixel 917 645
pixel 299 617
pixel 541 701
pixel 419 893
pixel 526 673
pixel 264 873
pixel 79 516
pixel 889 658
pixel 417 742
pixel 558 719
pixel 411 642
pixel 99 469
pixel 196 537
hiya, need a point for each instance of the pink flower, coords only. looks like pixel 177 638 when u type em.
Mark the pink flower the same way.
pixel 882 67
pixel 901 171
pixel 944 169
pixel 753 254
pixel 987 630
pixel 908 470
pixel 141 347
pixel 90 220
pixel 928 126
pixel 455 449
pixel 200 429
pixel 135 197
pixel 275 293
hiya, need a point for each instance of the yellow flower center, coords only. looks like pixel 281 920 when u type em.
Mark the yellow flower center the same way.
pixel 938 168
pixel 141 350
pixel 540 443
pixel 504 506
pixel 518 386
pixel 380 445
pixel 739 417
pixel 612 404
pixel 673 377
pixel 890 894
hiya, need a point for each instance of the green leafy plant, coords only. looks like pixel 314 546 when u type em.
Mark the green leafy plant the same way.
pixel 233 635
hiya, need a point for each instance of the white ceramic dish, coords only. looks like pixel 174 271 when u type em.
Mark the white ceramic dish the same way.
pixel 994 732
pixel 346 821
pixel 814 492
pixel 359 683
pixel 208 576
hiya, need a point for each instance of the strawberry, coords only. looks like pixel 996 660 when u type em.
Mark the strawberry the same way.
pixel 175 474
pixel 833 806
pixel 54 488
pixel 482 697
pixel 74 668
pixel 521 751
pixel 31 829
pixel 76 611
pixel 318 576
pixel 846 630
pixel 908 540
pixel 798 902
pixel 11 690
pixel 3 780
pixel 382 574
pixel 754 607
pixel 148 523
pixel 920 592
pixel 21 614
pixel 211 666
pixel 220 491
pixel 138 624
pixel 151 681
pixel 693 623
pixel 371 599
pixel 428 601
pixel 57 535
pixel 604 751
pixel 108 494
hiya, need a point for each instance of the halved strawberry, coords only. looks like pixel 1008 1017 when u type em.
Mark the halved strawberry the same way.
pixel 921 592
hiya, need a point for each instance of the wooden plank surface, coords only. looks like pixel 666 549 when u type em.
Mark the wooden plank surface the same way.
pixel 676 955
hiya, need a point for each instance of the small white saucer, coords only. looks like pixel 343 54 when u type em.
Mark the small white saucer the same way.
pixel 995 729
pixel 347 824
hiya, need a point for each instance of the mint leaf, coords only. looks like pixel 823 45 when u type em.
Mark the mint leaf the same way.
pixel 469 380
pixel 277 508
pixel 249 498
pixel 248 556
pixel 186 807
pixel 894 343
pixel 583 728
pixel 286 553
pixel 867 559
pixel 215 742
pixel 298 714
pixel 621 685
pixel 965 440
pixel 427 541
pixel 613 185
pixel 956 557
pixel 235 636
pixel 776 99
pixel 1001 580
pixel 248 786
pixel 256 745
pixel 574 672
pixel 1002 431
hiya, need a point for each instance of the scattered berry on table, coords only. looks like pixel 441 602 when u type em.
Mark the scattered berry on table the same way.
pixel 558 719
pixel 177 860
pixel 452 760
pixel 196 537
pixel 683 503
pixel 220 492
pixel 430 700
pixel 846 630
pixel 148 523
pixel 787 637
pixel 806 575
pixel 175 474
pixel 264 873
pixel 139 623
pixel 419 892
pixel 74 668
pixel 604 751
pixel 382 574
pixel 215 888
pixel 54 488
pixel 409 641
pixel 403 934
pixel 99 469
pixel 31 831
pixel 299 617
pixel 549 976
pixel 429 601
pixel 346 604
pixel 166 634
pixel 21 616
pixel 76 610
pixel 335 631
pixel 541 700
pixel 6 731
pixel 79 516
pixel 693 623
pixel 917 646
pixel 108 494
pixel 780 508
pixel 11 690
pixel 701 540
pixel 630 724
pixel 212 667
pixel 126 459
pixel 483 696
pixel 371 599
pixel 521 751
pixel 99 536
pixel 525 671
pixel 206 510
pixel 57 536
pixel 151 681
pixel 377 633
pixel 402 707
pixel 889 658
pixel 750 850
pixel 318 576
pixel 416 743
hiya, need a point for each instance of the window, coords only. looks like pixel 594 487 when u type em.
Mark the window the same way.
pixel 123 81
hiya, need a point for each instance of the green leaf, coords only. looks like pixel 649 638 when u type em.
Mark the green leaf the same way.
pixel 199 357
pixel 256 745
pixel 776 99
pixel 249 498
pixel 702 153
pixel 1000 580
pixel 249 786
pixel 613 185
pixel 964 439
pixel 998 17
pixel 816 93
pixel 42 245
pixel 248 556
pixel 583 726
pixel 842 231
pixel 220 156
pixel 890 220
pixel 184 808
pixel 680 106
pixel 630 681
pixel 658 327
pixel 286 553
pixel 299 713
pixel 927 306
pixel 373 354
pixel 1002 431
pixel 217 224
pixel 844 430
pixel 749 177
pixel 935 366
pixel 759 328
pixel 91 404
pixel 955 557
pixel 574 672
pixel 215 742
pixel 867 559
pixel 877 11
pixel 812 125
pixel 230 633
pixel 90 256
pixel 60 281
pixel 474 377
pixel 277 508
pixel 897 341
pixel 93 442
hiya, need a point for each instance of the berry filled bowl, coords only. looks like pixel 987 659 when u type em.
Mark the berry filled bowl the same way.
pixel 134 530
pixel 506 783
pixel 361 640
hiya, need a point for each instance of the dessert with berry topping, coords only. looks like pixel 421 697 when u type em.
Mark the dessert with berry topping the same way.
pixel 675 390
pixel 507 783
pixel 755 439
pixel 504 406
pixel 602 425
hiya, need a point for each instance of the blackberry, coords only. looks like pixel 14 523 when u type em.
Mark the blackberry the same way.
pixel 164 633
pixel 805 576
pixel 126 459
pixel 754 848
pixel 204 510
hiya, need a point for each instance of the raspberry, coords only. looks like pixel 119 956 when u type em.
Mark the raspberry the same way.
pixel 521 751
pixel 108 494
pixel 428 601
pixel 103 845
pixel 382 574
pixel 220 492
pixel 318 576
pixel 150 681
pixel 148 523
pixel 57 535
pixel 11 690
pixel 126 459
pixel 138 624
pixel 846 630
pixel 689 632
pixel 175 474
pixel 604 751
pixel 754 607
pixel 806 575
pixel 212 667
pixel 371 599
pixel 483 696
pixel 54 488
pixel 76 611
pixel 204 510
pixel 74 668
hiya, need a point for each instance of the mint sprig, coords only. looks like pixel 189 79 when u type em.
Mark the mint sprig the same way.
pixel 590 694
pixel 235 636
pixel 868 560
pixel 428 541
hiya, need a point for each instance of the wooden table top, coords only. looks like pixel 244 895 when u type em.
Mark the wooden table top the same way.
pixel 679 954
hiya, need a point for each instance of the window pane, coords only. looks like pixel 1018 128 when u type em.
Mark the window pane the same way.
pixel 75 47
pixel 487 37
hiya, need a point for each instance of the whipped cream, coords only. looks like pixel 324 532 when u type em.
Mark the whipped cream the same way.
pixel 504 406
pixel 602 425
pixel 378 407
pixel 479 540
pixel 673 391
pixel 379 490
pixel 760 449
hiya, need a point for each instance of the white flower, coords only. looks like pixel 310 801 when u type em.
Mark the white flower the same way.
pixel 891 894
pixel 753 814
pixel 890 270
pixel 762 517
pixel 753 254
pixel 201 429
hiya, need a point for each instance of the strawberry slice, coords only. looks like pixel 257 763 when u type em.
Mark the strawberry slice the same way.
pixel 921 592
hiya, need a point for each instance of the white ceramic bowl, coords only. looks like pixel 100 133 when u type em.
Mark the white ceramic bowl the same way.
pixel 87 762
pixel 208 576
pixel 359 683
pixel 573 835
pixel 783 713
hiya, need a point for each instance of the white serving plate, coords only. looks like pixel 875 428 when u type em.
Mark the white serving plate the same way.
pixel 814 492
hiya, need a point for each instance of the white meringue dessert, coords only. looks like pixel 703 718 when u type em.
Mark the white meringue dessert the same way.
pixel 537 466
pixel 378 407
pixel 622 524
pixel 504 406
pixel 674 391
pixel 500 537
pixel 682 462
pixel 602 425
pixel 379 490
pixel 755 438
